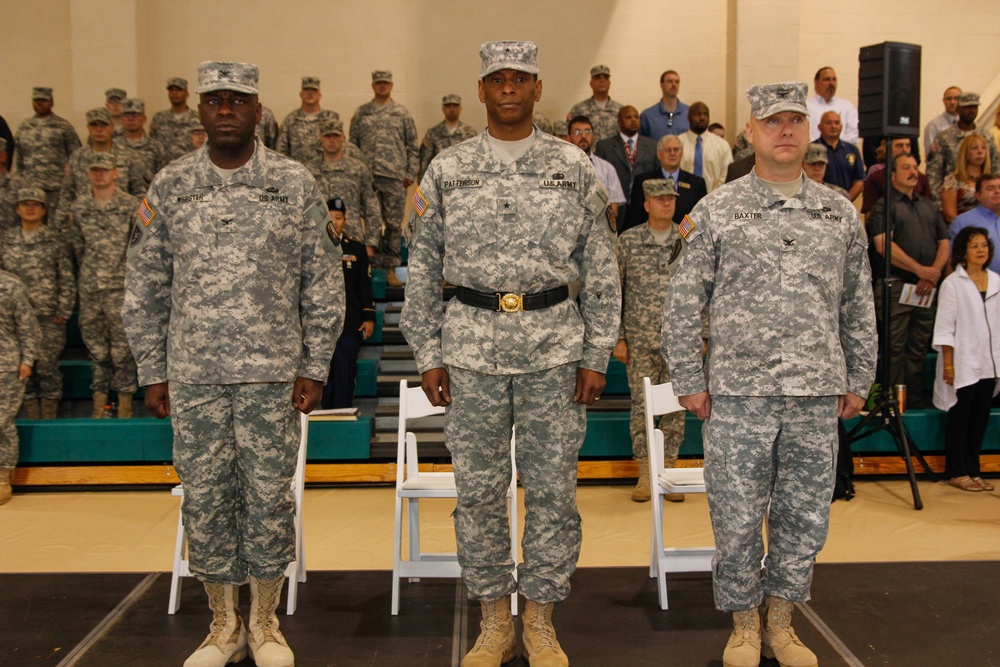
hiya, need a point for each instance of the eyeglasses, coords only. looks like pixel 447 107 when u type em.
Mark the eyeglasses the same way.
pixel 577 133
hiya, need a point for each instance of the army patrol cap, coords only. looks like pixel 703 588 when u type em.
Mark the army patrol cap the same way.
pixel 195 126
pixel 659 187
pixel 598 70
pixel 41 93
pixel 771 98
pixel 337 204
pixel 133 105
pixel 816 153
pixel 310 82
pixel 102 161
pixel 115 94
pixel 331 126
pixel 177 82
pixel 968 100
pixel 451 99
pixel 560 128
pixel 216 75
pixel 381 75
pixel 31 194
pixel 519 56
pixel 99 115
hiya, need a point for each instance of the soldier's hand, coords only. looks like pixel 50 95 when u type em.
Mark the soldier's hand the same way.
pixel 158 399
pixel 700 404
pixel 367 329
pixel 437 386
pixel 24 372
pixel 306 394
pixel 589 385
pixel 849 405
pixel 621 351
pixel 370 249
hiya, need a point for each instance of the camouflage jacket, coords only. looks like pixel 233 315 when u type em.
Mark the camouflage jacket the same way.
pixel 103 235
pixel 174 132
pixel 299 136
pixel 43 149
pixel 603 118
pixel 349 179
pixel 149 155
pixel 8 201
pixel 387 138
pixel 645 267
pixel 438 138
pixel 230 283
pixel 942 156
pixel 20 334
pixel 75 183
pixel 788 288
pixel 267 128
pixel 44 265
pixel 536 224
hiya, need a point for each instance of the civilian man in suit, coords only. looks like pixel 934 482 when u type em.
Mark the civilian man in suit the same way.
pixel 629 152
pixel 690 188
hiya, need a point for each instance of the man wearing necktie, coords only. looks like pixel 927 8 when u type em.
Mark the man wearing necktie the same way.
pixel 705 153
pixel 629 153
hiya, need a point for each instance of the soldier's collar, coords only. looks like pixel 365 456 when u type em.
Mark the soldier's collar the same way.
pixel 253 173
pixel 766 197
pixel 532 162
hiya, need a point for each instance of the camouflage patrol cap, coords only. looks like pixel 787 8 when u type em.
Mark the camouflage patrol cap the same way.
pixel 336 204
pixel 451 99
pixel 331 126
pixel 133 105
pixel 102 161
pixel 41 93
pixel 659 187
pixel 177 82
pixel 216 75
pixel 99 115
pixel 31 194
pixel 968 100
pixel 115 93
pixel 519 56
pixel 381 75
pixel 816 153
pixel 771 98
pixel 560 128
pixel 195 126
pixel 598 70
pixel 3 144
pixel 310 82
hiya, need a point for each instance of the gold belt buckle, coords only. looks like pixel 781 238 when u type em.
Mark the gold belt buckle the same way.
pixel 510 303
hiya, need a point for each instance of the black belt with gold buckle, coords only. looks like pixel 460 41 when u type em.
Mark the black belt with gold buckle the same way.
pixel 512 302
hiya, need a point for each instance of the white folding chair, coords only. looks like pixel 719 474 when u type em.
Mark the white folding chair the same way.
pixel 660 400
pixel 296 570
pixel 412 485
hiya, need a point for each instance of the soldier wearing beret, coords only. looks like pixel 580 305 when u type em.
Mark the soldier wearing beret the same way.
pixel 232 297
pixel 519 221
pixel 781 264
pixel 170 126
pixel 445 134
pixel 44 145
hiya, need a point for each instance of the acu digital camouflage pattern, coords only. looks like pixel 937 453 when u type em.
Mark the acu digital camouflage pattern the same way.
pixel 771 98
pixel 439 138
pixel 149 156
pixel 44 146
pixel 174 131
pixel 349 179
pixel 603 117
pixel 516 55
pixel 299 136
pixel 550 431
pixel 235 450
pixel 19 339
pixel 387 138
pixel 645 268
pixel 267 128
pixel 8 200
pixel 942 157
pixel 232 283
pixel 130 178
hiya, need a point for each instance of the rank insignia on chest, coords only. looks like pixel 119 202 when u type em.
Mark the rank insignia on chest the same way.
pixel 851 159
pixel 419 203
pixel 146 213
pixel 686 227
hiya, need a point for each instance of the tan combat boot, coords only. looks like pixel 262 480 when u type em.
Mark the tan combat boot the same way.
pixel 497 643
pixel 743 647
pixel 124 406
pixel 267 645
pixel 392 280
pixel 541 647
pixel 100 401
pixel 227 639
pixel 5 491
pixel 778 639
pixel 50 408
pixel 32 410
pixel 672 497
pixel 641 493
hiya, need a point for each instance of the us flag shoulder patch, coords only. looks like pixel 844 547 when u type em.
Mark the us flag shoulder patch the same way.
pixel 419 203
pixel 686 227
pixel 146 214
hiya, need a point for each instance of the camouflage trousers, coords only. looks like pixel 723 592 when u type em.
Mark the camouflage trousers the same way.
pixel 772 456
pixel 550 431
pixel 104 335
pixel 643 363
pixel 46 379
pixel 235 449
pixel 392 196
pixel 11 396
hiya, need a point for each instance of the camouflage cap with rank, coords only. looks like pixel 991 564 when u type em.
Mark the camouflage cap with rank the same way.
pixel 518 56
pixel 177 82
pixel 103 160
pixel 115 94
pixel 381 75
pixel 816 153
pixel 771 98
pixel 196 127
pixel 99 115
pixel 451 99
pixel 659 187
pixel 331 126
pixel 31 194
pixel 216 75
pixel 968 100
pixel 41 93
pixel 560 128
pixel 310 83
pixel 598 70
pixel 133 105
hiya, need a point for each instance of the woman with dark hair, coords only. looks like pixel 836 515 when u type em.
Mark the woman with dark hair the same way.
pixel 967 338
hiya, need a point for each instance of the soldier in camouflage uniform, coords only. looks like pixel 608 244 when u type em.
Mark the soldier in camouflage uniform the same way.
pixel 197 135
pixel 599 108
pixel 267 128
pixel 347 178
pixel 170 126
pixel 942 156
pixel 299 136
pixel 814 166
pixel 19 337
pixel 783 270
pixel 8 192
pixel 101 225
pixel 234 298
pixel 519 221
pixel 387 137
pixel 647 256
pixel 114 101
pixel 44 144
pixel 38 255
pixel 543 123
pixel 445 134
pixel 149 154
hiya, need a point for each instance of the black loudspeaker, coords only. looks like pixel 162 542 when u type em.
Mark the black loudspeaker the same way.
pixel 889 90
